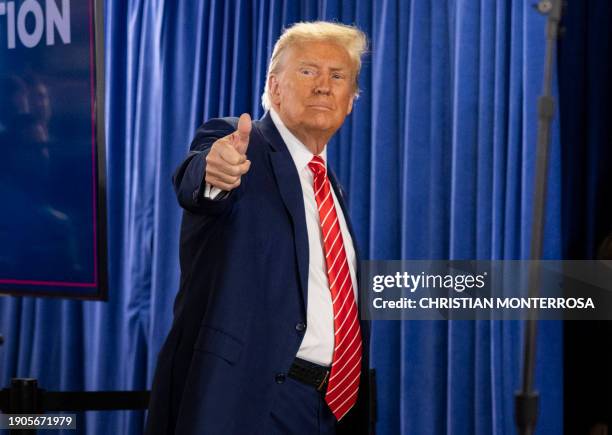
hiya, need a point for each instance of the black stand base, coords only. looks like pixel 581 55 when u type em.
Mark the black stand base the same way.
pixel 526 411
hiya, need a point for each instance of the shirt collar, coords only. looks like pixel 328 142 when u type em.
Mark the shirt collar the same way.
pixel 300 154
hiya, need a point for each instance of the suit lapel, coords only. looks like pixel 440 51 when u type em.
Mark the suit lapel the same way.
pixel 340 195
pixel 365 324
pixel 290 188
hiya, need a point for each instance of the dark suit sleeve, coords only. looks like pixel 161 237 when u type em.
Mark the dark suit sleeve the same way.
pixel 189 177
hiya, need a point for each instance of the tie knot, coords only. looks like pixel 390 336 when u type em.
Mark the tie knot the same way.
pixel 317 165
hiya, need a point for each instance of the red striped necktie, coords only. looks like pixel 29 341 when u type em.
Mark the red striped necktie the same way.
pixel 343 384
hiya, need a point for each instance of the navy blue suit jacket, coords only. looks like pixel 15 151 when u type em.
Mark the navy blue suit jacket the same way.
pixel 244 275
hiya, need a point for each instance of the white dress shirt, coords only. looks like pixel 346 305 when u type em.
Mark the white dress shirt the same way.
pixel 318 342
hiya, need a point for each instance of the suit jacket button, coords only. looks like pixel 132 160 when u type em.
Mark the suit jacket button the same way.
pixel 300 326
pixel 279 378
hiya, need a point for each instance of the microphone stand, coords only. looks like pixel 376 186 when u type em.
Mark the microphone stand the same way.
pixel 526 400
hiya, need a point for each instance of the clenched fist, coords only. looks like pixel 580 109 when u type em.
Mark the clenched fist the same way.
pixel 226 162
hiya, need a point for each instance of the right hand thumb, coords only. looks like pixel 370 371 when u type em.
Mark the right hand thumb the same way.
pixel 241 135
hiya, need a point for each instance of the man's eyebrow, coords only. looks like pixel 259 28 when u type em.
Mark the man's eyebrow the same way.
pixel 308 63
pixel 314 64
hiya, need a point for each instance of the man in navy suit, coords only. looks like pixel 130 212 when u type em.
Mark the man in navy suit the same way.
pixel 266 337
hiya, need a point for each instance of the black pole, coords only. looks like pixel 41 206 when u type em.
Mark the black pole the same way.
pixel 526 400
pixel 24 398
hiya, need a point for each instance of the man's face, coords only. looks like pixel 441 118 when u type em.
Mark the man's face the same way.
pixel 41 104
pixel 313 91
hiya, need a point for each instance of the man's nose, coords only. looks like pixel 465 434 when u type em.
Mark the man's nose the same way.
pixel 322 85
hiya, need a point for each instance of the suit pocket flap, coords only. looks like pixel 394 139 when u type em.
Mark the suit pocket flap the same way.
pixel 218 343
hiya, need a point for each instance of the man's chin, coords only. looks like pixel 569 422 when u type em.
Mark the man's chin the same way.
pixel 323 122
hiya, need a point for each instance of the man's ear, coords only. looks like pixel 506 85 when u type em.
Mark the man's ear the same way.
pixel 349 109
pixel 273 86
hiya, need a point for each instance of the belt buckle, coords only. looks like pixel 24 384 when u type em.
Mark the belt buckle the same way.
pixel 323 382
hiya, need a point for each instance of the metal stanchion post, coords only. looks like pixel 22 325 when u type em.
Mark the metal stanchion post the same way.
pixel 24 398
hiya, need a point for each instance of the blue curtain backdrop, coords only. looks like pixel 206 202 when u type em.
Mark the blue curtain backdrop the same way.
pixel 437 159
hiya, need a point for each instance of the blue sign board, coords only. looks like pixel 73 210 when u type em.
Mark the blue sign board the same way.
pixel 52 202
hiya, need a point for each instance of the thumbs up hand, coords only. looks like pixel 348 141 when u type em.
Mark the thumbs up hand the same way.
pixel 226 162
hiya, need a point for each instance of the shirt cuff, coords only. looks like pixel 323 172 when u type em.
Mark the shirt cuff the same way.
pixel 212 192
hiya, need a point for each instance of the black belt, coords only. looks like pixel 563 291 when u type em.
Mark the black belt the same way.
pixel 310 373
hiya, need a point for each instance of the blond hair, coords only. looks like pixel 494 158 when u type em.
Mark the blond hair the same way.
pixel 349 37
